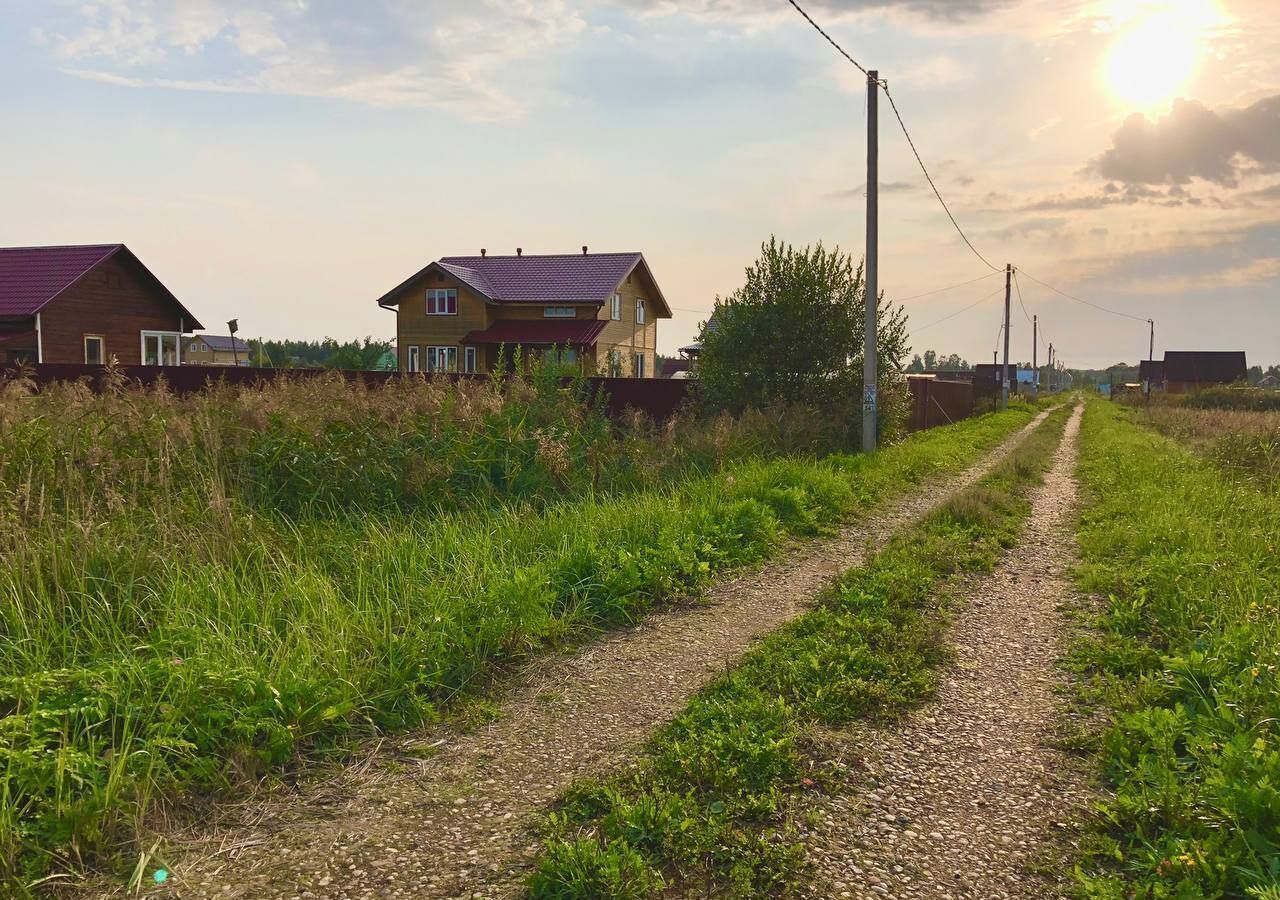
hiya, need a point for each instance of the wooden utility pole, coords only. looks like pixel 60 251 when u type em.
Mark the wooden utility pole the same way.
pixel 869 423
pixel 1004 376
pixel 1035 337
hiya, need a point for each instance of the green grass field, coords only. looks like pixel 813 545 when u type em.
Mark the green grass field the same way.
pixel 196 596
pixel 711 805
pixel 1183 666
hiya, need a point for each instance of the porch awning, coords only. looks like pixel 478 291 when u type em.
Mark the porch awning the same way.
pixel 571 332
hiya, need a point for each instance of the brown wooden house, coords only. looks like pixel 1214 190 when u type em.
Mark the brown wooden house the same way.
pixel 597 310
pixel 87 304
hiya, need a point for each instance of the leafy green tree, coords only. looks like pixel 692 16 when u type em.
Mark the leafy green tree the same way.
pixel 793 334
pixel 930 360
pixel 917 365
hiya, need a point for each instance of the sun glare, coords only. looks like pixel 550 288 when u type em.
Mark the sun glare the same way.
pixel 1156 49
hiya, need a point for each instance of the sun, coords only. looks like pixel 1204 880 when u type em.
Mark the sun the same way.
pixel 1156 49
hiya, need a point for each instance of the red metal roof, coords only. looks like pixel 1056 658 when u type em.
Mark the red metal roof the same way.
pixel 575 332
pixel 558 278
pixel 30 277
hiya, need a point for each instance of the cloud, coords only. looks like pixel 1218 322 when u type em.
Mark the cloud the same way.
pixel 886 187
pixel 1193 141
pixel 1113 194
pixel 946 10
pixel 1251 272
pixel 478 59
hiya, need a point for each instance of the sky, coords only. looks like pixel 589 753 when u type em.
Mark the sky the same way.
pixel 286 162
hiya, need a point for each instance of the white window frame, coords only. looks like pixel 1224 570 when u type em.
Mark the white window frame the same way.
pixel 469 357
pixel 638 365
pixel 559 312
pixel 177 346
pixel 615 363
pixel 447 353
pixel 435 295
pixel 102 349
pixel 413 359
pixel 639 311
pixel 616 311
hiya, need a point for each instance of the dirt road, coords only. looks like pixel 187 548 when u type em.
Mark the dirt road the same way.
pixel 964 800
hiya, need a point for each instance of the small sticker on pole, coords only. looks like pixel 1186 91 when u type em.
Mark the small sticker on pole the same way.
pixel 869 399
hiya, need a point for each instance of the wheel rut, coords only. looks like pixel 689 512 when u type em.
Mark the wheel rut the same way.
pixel 966 798
pixel 457 824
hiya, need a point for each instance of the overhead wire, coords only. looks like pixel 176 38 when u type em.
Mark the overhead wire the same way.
pixel 1104 309
pixel 950 287
pixel 959 311
pixel 830 39
pixel 929 178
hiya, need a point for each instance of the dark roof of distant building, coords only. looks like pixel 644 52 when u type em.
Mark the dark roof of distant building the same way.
pixel 1151 370
pixel 570 332
pixel 529 278
pixel 1210 366
pixel 32 277
pixel 711 326
pixel 223 343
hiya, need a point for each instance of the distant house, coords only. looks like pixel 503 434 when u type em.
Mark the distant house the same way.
pixel 87 304
pixel 1192 370
pixel 674 368
pixel 215 350
pixel 691 352
pixel 470 313
pixel 1152 370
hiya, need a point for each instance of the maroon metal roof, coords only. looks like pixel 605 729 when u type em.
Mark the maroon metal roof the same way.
pixel 572 278
pixel 574 332
pixel 30 277
pixel 557 278
pixel 1212 366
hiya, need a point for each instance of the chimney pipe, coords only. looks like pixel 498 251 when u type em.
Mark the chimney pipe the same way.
pixel 519 251
pixel 584 249
pixel 483 251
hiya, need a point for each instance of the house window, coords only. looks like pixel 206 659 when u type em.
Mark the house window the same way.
pixel 412 362
pixel 559 312
pixel 160 348
pixel 469 359
pixel 639 311
pixel 615 363
pixel 639 358
pixel 442 359
pixel 617 308
pixel 442 302
pixel 94 350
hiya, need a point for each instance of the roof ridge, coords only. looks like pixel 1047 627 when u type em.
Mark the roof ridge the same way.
pixel 115 245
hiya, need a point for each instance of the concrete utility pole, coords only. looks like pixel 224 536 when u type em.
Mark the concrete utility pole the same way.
pixel 869 423
pixel 1051 368
pixel 1004 376
pixel 1035 337
pixel 1151 353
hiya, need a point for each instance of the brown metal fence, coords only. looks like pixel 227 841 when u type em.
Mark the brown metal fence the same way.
pixel 936 402
pixel 658 397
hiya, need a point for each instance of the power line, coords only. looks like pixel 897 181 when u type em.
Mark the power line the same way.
pixel 1023 306
pixel 949 287
pixel 1043 339
pixel 929 178
pixel 830 40
pixel 959 311
pixel 1085 302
